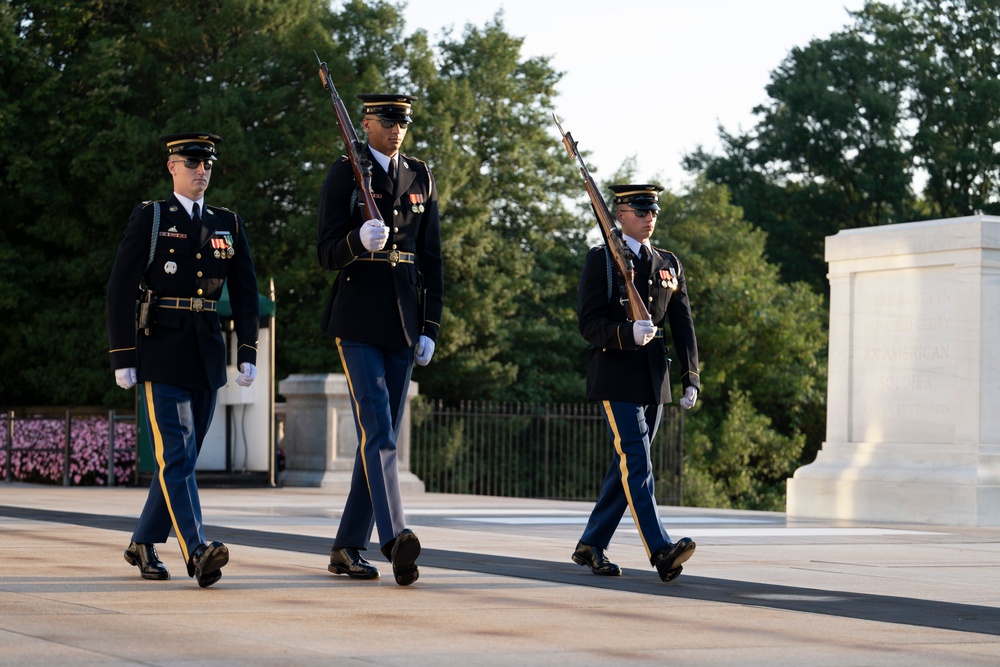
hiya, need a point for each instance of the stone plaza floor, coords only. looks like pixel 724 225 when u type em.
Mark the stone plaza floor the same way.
pixel 496 587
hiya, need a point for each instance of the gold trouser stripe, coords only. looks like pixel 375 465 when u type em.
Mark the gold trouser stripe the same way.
pixel 357 415
pixel 623 470
pixel 157 439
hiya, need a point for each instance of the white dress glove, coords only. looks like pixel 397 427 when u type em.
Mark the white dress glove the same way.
pixel 374 235
pixel 425 350
pixel 248 372
pixel 643 331
pixel 125 377
pixel 690 398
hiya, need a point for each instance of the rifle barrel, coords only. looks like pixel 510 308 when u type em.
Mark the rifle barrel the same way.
pixel 636 308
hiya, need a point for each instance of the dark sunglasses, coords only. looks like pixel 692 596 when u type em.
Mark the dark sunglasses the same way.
pixel 388 124
pixel 192 163
pixel 641 214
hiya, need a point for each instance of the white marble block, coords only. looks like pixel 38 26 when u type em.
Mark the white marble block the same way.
pixel 913 400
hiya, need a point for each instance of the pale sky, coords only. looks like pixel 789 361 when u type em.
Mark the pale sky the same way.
pixel 651 79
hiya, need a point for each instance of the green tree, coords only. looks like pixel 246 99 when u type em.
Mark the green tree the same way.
pixel 825 155
pixel 949 53
pixel 762 345
pixel 99 82
pixel 855 122
pixel 512 250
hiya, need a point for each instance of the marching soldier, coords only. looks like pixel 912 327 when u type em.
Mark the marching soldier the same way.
pixel 184 251
pixel 628 374
pixel 384 311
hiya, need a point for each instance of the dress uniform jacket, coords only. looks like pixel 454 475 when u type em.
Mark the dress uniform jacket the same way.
pixel 185 348
pixel 375 302
pixel 618 369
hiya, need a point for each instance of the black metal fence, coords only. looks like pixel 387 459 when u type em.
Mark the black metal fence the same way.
pixel 559 451
pixel 69 447
pixel 525 450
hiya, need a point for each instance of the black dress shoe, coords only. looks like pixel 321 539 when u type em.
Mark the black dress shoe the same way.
pixel 144 557
pixel 404 552
pixel 596 559
pixel 349 561
pixel 207 562
pixel 669 557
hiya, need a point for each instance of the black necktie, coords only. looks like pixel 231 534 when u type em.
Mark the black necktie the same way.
pixel 392 171
pixel 195 217
pixel 645 264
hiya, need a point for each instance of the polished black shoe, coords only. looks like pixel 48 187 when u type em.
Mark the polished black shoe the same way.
pixel 403 554
pixel 596 560
pixel 207 562
pixel 144 557
pixel 668 558
pixel 349 561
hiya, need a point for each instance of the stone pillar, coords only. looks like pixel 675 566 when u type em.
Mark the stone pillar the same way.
pixel 913 420
pixel 320 438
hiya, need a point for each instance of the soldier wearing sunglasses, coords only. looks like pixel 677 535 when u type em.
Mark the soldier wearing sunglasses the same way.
pixel 628 374
pixel 384 312
pixel 183 251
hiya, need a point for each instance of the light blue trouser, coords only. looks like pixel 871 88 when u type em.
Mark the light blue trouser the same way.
pixel 177 421
pixel 628 483
pixel 378 379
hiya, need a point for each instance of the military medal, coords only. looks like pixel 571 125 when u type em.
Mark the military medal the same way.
pixel 229 246
pixel 170 267
pixel 667 279
pixel 417 202
pixel 220 247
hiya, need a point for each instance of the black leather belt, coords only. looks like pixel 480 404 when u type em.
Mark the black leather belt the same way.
pixel 197 305
pixel 394 257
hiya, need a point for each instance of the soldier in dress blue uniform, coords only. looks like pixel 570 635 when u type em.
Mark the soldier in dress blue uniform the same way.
pixel 384 311
pixel 628 373
pixel 184 251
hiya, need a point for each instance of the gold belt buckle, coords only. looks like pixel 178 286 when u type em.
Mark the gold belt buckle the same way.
pixel 393 257
pixel 197 305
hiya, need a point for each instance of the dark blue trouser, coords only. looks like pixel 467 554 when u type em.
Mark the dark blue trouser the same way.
pixel 178 420
pixel 628 483
pixel 378 379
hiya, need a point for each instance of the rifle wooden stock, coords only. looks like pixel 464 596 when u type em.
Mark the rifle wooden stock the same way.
pixel 612 237
pixel 360 163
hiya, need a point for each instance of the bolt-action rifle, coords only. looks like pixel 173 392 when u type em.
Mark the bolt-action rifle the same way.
pixel 356 153
pixel 612 237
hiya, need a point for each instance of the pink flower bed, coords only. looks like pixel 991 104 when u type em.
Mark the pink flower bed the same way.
pixel 39 447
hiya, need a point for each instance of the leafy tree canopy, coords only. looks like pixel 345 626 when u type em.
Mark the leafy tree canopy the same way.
pixel 892 120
